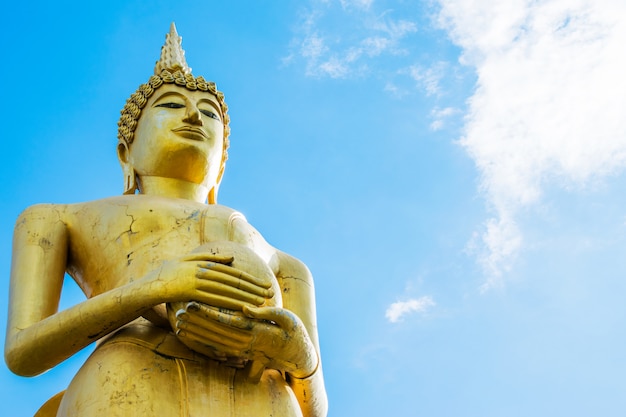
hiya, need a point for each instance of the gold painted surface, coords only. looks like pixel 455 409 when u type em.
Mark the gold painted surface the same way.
pixel 193 312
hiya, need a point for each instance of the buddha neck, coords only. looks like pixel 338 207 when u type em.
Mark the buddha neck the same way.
pixel 172 188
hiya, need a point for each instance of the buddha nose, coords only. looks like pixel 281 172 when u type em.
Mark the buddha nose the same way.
pixel 193 115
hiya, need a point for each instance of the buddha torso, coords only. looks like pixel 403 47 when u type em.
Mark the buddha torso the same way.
pixel 118 240
pixel 133 235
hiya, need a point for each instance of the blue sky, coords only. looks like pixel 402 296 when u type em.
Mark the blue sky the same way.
pixel 451 171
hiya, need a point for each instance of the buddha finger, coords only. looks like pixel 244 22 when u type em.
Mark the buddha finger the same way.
pixel 219 301
pixel 217 289
pixel 185 319
pixel 215 334
pixel 214 274
pixel 205 256
pixel 237 273
pixel 214 314
pixel 219 344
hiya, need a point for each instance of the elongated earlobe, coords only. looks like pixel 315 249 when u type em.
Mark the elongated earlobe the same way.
pixel 130 182
pixel 130 178
pixel 212 198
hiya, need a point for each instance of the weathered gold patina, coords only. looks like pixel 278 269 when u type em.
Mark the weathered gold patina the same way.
pixel 193 312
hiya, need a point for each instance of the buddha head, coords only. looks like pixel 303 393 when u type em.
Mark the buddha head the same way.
pixel 174 103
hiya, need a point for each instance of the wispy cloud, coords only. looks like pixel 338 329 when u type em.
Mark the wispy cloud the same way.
pixel 357 4
pixel 548 106
pixel 395 90
pixel 428 78
pixel 398 310
pixel 313 47
pixel 440 115
pixel 340 51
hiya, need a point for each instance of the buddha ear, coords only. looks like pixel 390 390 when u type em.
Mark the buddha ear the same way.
pixel 130 178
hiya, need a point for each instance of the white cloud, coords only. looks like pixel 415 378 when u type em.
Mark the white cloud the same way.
pixel 329 50
pixel 548 106
pixel 396 29
pixel 440 115
pixel 428 78
pixel 313 47
pixel 375 45
pixel 496 248
pixel 359 4
pixel 396 311
pixel 333 67
pixel 395 91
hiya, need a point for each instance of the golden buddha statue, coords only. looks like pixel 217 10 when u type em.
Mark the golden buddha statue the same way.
pixel 193 312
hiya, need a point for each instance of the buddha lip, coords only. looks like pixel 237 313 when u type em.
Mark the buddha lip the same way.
pixel 190 132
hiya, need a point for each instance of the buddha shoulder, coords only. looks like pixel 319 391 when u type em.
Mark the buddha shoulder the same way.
pixel 143 207
pixel 131 211
pixel 36 220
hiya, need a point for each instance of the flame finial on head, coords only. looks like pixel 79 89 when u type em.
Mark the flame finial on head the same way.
pixel 172 54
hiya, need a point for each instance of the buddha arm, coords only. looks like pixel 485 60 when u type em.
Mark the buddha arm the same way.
pixel 39 337
pixel 298 294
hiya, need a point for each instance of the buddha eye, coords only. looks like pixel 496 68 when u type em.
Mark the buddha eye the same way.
pixel 210 114
pixel 171 105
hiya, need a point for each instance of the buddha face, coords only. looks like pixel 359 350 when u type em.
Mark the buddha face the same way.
pixel 179 135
